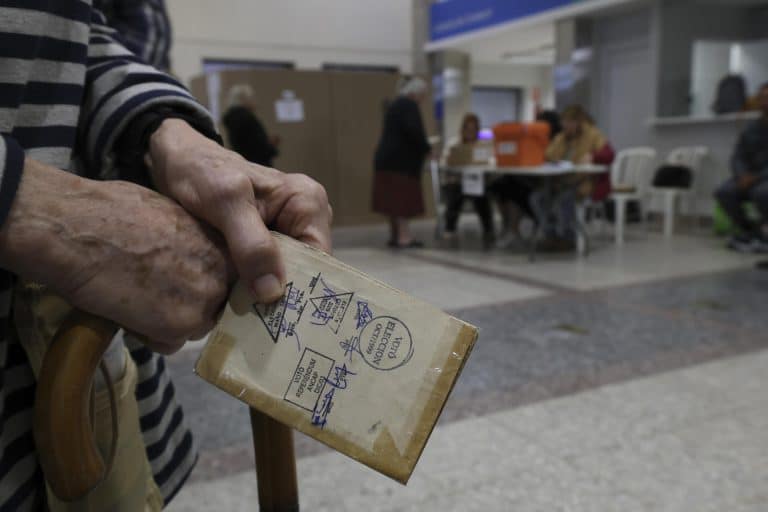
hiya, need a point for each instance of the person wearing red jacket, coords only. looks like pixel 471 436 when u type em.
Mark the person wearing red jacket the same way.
pixel 580 142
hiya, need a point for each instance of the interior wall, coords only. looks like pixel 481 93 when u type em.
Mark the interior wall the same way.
pixel 524 77
pixel 622 69
pixel 455 68
pixel 758 19
pixel 711 60
pixel 574 66
pixel 755 63
pixel 305 32
pixel 679 29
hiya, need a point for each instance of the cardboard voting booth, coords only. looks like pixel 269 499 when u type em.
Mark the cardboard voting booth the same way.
pixel 520 144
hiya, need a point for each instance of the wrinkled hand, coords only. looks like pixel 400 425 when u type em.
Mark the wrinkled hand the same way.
pixel 241 200
pixel 119 251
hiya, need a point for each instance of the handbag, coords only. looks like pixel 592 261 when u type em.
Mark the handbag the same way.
pixel 673 176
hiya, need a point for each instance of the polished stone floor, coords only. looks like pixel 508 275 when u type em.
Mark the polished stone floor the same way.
pixel 634 379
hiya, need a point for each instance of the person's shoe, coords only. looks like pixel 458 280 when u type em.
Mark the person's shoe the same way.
pixel 749 243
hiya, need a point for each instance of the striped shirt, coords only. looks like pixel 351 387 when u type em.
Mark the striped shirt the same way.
pixel 68 88
pixel 144 27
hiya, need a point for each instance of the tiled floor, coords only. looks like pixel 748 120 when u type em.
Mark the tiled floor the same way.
pixel 632 380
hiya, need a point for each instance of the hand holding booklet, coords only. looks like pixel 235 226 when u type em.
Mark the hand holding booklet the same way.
pixel 358 365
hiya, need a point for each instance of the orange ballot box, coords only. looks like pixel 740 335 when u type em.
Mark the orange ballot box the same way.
pixel 520 144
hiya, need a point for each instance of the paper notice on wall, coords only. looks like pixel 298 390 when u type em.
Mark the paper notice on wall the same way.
pixel 289 108
pixel 473 183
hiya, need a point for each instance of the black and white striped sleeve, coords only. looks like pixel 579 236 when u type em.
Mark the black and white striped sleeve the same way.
pixel 119 87
pixel 11 168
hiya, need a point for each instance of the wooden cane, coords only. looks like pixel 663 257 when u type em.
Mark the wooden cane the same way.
pixel 65 441
pixel 275 464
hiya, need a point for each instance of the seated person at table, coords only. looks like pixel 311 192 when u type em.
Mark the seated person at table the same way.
pixel 513 193
pixel 454 196
pixel 749 184
pixel 580 142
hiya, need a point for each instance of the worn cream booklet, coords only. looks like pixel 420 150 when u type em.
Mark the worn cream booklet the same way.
pixel 342 357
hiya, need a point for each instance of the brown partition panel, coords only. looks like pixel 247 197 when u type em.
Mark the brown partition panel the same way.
pixel 306 146
pixel 358 101
pixel 198 86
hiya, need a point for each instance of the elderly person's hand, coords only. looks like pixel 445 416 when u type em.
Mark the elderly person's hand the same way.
pixel 119 251
pixel 241 200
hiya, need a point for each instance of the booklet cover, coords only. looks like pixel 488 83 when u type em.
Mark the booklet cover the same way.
pixel 358 365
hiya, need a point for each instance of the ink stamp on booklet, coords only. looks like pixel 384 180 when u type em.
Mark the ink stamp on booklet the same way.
pixel 388 343
pixel 309 379
pixel 341 357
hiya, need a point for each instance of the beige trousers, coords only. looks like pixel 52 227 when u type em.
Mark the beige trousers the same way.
pixel 129 487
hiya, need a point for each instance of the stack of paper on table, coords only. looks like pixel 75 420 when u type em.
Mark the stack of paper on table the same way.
pixel 343 358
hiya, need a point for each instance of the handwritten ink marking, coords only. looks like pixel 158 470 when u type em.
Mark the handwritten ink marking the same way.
pixel 340 374
pixel 289 330
pixel 324 408
pixel 301 312
pixel 351 347
pixel 330 308
pixel 294 299
pixel 363 315
pixel 320 414
pixel 320 317
pixel 327 290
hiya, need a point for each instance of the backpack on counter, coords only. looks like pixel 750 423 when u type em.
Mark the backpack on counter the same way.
pixel 731 95
pixel 673 176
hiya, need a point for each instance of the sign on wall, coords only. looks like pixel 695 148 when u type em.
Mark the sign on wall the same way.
pixel 289 109
pixel 455 17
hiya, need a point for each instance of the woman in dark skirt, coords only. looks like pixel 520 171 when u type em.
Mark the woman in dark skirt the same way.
pixel 399 161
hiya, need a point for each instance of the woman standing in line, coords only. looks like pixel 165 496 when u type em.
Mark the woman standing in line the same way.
pixel 398 164
pixel 246 133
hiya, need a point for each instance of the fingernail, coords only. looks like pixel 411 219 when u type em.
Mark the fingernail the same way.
pixel 267 288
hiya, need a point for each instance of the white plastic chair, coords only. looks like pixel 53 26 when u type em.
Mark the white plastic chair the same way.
pixel 631 176
pixel 693 158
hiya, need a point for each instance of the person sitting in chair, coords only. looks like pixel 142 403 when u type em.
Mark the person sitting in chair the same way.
pixel 749 184
pixel 580 142
pixel 470 130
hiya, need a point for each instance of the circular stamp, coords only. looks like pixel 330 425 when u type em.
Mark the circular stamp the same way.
pixel 386 343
